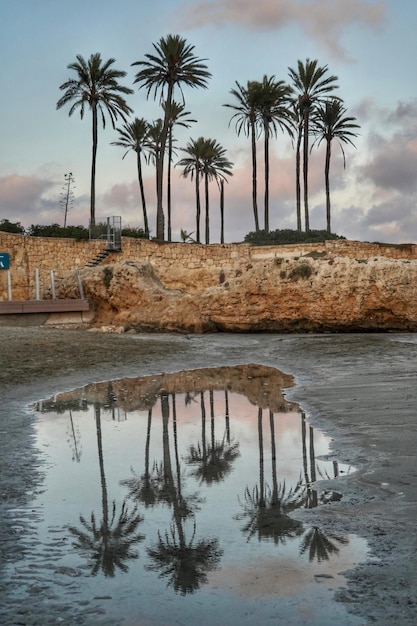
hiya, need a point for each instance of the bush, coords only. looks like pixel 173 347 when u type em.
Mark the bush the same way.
pixel 11 227
pixel 54 230
pixel 137 233
pixel 303 270
pixel 288 236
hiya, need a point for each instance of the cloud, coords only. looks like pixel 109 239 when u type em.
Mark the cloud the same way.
pixel 392 160
pixel 323 20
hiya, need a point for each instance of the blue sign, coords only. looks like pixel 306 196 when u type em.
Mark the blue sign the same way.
pixel 4 261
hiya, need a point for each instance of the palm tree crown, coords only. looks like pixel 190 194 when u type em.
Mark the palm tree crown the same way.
pixel 97 87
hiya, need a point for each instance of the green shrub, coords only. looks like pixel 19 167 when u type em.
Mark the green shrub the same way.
pixel 316 254
pixel 80 233
pixel 303 270
pixel 136 233
pixel 107 276
pixel 11 227
pixel 288 236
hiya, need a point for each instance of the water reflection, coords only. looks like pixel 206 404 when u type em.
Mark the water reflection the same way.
pixel 108 543
pixel 197 464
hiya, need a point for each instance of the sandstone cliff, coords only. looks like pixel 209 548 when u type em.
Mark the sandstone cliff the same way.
pixel 313 293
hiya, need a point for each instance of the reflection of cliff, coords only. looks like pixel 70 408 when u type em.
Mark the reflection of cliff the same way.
pixel 262 385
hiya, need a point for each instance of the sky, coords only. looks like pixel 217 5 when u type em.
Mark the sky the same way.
pixel 370 45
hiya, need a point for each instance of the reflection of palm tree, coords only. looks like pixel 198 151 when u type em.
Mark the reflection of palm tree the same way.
pixel 110 546
pixel 144 488
pixel 110 542
pixel 214 461
pixel 310 493
pixel 75 437
pixel 267 509
pixel 319 546
pixel 185 564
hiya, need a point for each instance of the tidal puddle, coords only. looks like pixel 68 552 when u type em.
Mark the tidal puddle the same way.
pixel 170 500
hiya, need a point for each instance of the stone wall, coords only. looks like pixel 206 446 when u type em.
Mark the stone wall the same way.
pixel 191 267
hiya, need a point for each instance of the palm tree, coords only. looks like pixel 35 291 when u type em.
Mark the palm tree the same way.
pixel 330 123
pixel 312 84
pixel 178 117
pixel 207 159
pixel 246 120
pixel 298 130
pixel 173 64
pixel 274 112
pixel 97 87
pixel 214 166
pixel 192 168
pixel 135 136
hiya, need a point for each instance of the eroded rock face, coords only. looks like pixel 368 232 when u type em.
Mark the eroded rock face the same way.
pixel 284 295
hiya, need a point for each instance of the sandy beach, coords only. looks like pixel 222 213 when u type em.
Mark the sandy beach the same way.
pixel 359 389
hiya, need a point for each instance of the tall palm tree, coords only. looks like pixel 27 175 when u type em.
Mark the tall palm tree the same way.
pixel 274 113
pixel 191 165
pixel 135 136
pixel 178 117
pixel 173 64
pixel 246 120
pixel 330 122
pixel 297 121
pixel 214 166
pixel 206 159
pixel 313 85
pixel 96 86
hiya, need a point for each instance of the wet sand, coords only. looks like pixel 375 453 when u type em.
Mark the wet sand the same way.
pixel 359 389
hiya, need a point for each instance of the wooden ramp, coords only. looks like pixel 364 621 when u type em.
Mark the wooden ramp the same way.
pixel 63 305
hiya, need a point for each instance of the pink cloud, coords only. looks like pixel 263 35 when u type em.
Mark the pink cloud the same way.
pixel 323 20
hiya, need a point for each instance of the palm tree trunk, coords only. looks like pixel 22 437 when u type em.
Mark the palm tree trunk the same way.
pixel 160 219
pixel 254 179
pixel 266 161
pixel 206 191
pixel 198 205
pixel 169 182
pixel 297 177
pixel 142 195
pixel 327 183
pixel 305 170
pixel 93 171
pixel 222 211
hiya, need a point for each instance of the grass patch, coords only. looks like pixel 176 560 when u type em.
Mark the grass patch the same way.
pixel 303 271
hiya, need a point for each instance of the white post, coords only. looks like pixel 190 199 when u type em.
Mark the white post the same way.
pixel 37 283
pixel 51 273
pixel 9 285
pixel 80 285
